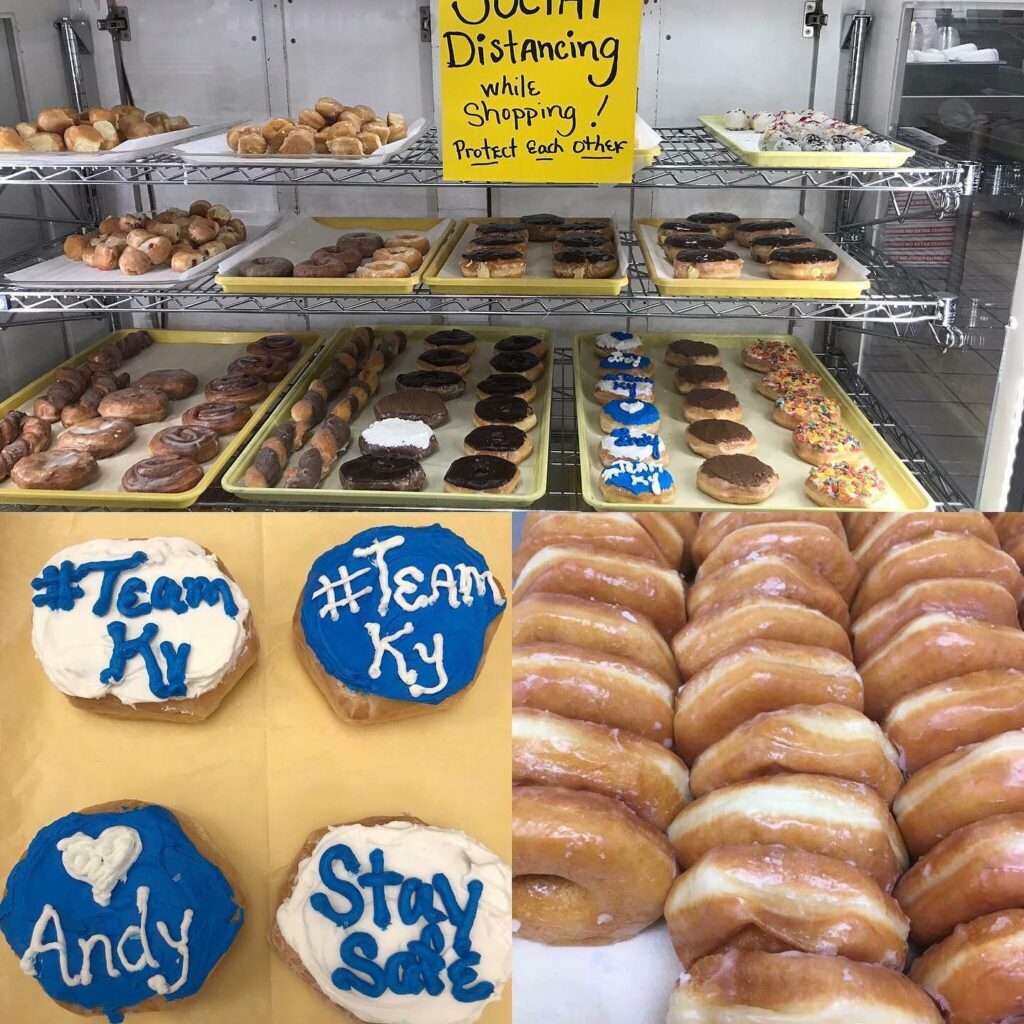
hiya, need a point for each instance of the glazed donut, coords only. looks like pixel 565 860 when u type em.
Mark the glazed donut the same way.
pixel 751 987
pixel 163 474
pixel 383 268
pixel 599 576
pixel 833 817
pixel 938 719
pixel 933 648
pixel 858 524
pixel 1009 527
pixel 947 555
pixel 139 405
pixel 556 618
pixel 725 626
pixel 714 527
pixel 407 240
pixel 592 687
pixel 586 870
pixel 268 368
pixel 410 257
pixel 674 532
pixel 99 437
pixel 284 346
pixel 892 528
pixel 964 598
pixel 769 576
pixel 55 470
pixel 200 444
pixel 365 242
pixel 221 417
pixel 616 532
pixel 774 899
pixel 236 387
pixel 976 870
pixel 265 266
pixel 548 750
pixel 977 974
pixel 761 676
pixel 174 384
pixel 821 739
pixel 968 785
pixel 812 543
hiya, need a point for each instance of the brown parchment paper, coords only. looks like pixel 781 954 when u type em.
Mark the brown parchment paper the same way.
pixel 268 767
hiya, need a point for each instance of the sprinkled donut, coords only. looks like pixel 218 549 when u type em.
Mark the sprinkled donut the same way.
pixel 821 443
pixel 789 380
pixel 845 485
pixel 770 355
pixel 792 410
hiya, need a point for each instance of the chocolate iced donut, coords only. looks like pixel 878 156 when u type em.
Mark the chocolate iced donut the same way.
pixel 451 338
pixel 503 441
pixel 492 263
pixel 265 266
pixel 445 383
pixel 497 242
pixel 706 263
pixel 221 417
pixel 445 359
pixel 568 241
pixel 382 473
pixel 722 224
pixel 762 247
pixel 55 470
pixel 503 227
pixel 582 264
pixel 504 385
pixel 268 368
pixel 748 230
pixel 521 343
pixel 542 227
pixel 284 346
pixel 711 404
pixel 236 387
pixel 690 378
pixel 601 226
pixel 803 264
pixel 140 405
pixel 162 474
pixel 685 352
pixel 425 406
pixel 720 437
pixel 481 474
pixel 200 444
pixel 675 244
pixel 366 242
pixel 737 479
pixel 682 227
pixel 174 384
pixel 100 437
pixel 504 411
pixel 525 363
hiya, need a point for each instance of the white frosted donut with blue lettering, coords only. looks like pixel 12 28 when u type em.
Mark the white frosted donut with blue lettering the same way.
pixel 398 922
pixel 143 621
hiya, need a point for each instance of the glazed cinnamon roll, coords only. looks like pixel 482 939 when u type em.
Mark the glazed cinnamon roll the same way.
pixel 200 444
pixel 165 474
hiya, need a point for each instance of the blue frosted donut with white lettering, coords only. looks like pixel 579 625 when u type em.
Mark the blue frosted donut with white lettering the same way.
pixel 109 909
pixel 401 613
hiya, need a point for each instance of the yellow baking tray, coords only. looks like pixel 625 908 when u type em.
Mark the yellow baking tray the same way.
pixel 774 443
pixel 444 277
pixel 755 157
pixel 754 282
pixel 300 236
pixel 532 487
pixel 106 492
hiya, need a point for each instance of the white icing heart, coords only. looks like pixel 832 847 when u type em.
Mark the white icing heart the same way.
pixel 101 862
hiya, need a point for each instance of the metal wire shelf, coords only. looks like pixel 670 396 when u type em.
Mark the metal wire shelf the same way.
pixel 564 490
pixel 690 158
pixel 896 298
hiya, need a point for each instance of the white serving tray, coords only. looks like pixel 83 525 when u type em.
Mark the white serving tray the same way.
pixel 126 151
pixel 213 148
pixel 61 272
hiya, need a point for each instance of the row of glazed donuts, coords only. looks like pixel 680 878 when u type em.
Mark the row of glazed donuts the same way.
pixel 595 601
pixel 937 637
pixel 789 846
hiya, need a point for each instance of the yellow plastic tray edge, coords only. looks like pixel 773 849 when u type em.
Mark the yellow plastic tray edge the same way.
pixel 853 416
pixel 343 285
pixel 811 161
pixel 698 288
pixel 232 479
pixel 609 286
pixel 312 341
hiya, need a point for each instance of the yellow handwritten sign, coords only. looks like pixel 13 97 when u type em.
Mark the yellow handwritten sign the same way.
pixel 539 90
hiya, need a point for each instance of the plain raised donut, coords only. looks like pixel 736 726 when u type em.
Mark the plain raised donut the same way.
pixel 600 576
pixel 587 870
pixel 770 575
pixel 774 899
pixel 812 739
pixel 548 750
pixel 265 266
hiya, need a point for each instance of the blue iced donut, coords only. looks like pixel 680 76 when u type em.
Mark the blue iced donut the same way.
pixel 119 905
pixel 396 621
pixel 627 413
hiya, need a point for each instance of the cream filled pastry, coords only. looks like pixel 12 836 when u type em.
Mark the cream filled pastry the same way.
pixel 151 626
pixel 394 921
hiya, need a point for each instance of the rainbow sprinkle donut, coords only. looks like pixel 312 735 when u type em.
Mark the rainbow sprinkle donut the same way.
pixel 845 485
pixel 821 442
pixel 792 410
pixel 770 355
pixel 789 380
